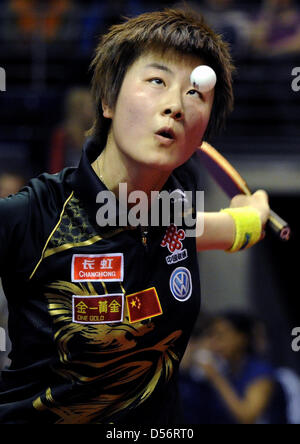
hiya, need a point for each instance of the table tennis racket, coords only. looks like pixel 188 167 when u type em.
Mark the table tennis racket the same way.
pixel 232 184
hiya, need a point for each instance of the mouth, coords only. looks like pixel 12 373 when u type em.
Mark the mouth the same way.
pixel 166 136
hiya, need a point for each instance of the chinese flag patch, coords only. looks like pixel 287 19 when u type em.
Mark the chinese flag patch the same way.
pixel 143 305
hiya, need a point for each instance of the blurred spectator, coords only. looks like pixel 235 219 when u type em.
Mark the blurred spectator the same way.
pixel 32 18
pixel 227 18
pixel 276 30
pixel 68 138
pixel 287 378
pixel 224 381
pixel 10 183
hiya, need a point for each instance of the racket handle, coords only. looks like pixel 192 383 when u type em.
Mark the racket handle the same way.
pixel 279 226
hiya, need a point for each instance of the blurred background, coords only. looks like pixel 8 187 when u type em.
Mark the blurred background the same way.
pixel 46 48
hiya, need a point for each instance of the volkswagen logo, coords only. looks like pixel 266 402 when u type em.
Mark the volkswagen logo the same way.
pixel 181 284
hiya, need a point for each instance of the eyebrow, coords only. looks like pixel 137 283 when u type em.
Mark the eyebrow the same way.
pixel 159 66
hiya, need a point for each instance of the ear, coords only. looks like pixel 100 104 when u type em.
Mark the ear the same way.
pixel 107 111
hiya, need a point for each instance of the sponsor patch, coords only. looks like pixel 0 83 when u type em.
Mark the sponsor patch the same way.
pixel 143 305
pixel 176 257
pixel 100 309
pixel 172 240
pixel 181 284
pixel 97 267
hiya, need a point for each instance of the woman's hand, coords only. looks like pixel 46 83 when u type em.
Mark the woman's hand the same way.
pixel 206 361
pixel 258 200
pixel 219 228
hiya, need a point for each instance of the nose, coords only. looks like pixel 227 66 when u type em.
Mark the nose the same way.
pixel 172 105
pixel 175 112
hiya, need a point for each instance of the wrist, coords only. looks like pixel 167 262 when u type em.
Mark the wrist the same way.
pixel 248 227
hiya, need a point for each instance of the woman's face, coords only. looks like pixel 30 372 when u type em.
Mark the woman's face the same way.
pixel 226 340
pixel 160 118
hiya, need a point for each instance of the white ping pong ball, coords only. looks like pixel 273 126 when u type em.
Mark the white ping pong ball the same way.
pixel 204 78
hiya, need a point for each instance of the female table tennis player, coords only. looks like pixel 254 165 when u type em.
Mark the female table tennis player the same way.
pixel 100 316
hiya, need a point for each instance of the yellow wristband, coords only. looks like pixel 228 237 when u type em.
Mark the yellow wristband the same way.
pixel 248 227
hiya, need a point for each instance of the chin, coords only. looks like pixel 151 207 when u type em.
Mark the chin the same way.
pixel 166 167
pixel 167 161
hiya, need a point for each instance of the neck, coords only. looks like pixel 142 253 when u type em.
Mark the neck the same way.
pixel 114 167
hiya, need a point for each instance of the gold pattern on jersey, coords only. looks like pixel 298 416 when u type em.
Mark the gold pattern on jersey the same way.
pixel 122 363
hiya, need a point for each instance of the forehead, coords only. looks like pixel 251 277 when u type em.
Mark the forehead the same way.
pixel 169 58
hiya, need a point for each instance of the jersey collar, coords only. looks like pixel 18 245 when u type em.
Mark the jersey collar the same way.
pixel 84 181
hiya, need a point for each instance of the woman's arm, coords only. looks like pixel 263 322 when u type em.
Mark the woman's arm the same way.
pixel 219 232
pixel 250 407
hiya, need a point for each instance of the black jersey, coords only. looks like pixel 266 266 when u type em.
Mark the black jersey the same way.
pixel 99 317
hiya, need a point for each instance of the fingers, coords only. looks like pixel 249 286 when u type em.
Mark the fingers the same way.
pixel 240 200
pixel 261 194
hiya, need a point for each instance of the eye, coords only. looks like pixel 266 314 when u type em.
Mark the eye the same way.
pixel 194 92
pixel 157 81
